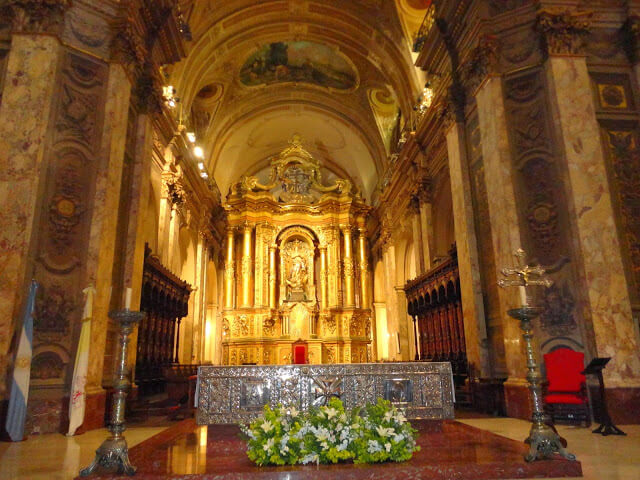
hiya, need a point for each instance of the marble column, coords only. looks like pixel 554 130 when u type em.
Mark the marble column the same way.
pixel 138 198
pixel 468 262
pixel 25 117
pixel 102 238
pixel 324 297
pixel 417 234
pixel 363 261
pixel 505 228
pixel 198 299
pixel 607 307
pixel 229 271
pixel 247 298
pixel 349 284
pixel 426 226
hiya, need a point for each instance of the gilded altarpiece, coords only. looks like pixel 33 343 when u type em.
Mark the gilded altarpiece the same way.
pixel 296 267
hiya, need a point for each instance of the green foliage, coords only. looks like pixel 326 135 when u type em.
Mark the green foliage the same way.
pixel 330 434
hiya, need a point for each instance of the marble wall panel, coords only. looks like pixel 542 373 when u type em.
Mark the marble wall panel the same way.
pixel 25 117
pixel 607 306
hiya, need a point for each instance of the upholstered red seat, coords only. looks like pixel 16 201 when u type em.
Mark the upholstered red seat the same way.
pixel 566 390
pixel 299 354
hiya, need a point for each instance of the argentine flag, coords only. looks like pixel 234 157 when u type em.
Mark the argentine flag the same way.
pixel 17 411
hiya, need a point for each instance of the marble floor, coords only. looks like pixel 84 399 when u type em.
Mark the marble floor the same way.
pixel 60 458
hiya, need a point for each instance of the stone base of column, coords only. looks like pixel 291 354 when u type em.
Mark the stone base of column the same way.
pixel 94 413
pixel 517 399
pixel 622 403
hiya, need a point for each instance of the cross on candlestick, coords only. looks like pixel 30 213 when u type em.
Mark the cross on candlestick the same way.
pixel 524 275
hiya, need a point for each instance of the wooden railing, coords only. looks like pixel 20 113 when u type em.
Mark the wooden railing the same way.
pixel 434 302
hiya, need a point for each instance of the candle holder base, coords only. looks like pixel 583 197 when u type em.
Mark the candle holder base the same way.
pixel 113 455
pixel 543 443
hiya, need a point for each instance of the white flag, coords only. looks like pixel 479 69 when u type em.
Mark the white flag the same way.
pixel 77 398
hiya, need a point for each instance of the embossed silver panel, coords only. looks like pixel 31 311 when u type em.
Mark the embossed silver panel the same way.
pixel 235 394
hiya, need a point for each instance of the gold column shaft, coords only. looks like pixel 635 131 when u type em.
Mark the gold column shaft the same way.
pixel 229 273
pixel 272 276
pixel 349 290
pixel 324 294
pixel 364 269
pixel 246 267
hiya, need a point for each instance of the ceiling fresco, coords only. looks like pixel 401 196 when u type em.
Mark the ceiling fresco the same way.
pixel 298 61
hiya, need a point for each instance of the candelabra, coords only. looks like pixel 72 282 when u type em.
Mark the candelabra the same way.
pixel 114 453
pixel 543 440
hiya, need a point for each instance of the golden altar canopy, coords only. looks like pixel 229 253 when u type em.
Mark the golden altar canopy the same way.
pixel 296 285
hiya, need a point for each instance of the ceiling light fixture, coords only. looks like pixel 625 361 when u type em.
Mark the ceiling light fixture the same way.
pixel 191 136
pixel 198 151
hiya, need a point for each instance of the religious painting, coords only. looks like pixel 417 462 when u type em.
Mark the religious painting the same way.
pixel 298 61
pixel 254 393
pixel 398 390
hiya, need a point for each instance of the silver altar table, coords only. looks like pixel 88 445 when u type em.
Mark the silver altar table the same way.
pixel 237 394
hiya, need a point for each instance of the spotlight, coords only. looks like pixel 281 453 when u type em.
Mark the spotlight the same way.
pixel 191 136
pixel 198 151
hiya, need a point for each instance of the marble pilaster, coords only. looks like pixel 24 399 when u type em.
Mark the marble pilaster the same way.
pixel 505 229
pixel 607 306
pixel 138 196
pixel 101 252
pixel 468 262
pixel 24 119
pixel 426 227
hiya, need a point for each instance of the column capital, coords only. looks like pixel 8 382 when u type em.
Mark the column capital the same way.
pixel 35 16
pixel 481 63
pixel 564 31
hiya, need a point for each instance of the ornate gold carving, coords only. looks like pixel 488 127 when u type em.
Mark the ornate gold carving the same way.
pixel 348 267
pixel 295 176
pixel 564 31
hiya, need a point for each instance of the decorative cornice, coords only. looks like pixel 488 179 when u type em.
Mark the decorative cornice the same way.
pixel 35 16
pixel 564 31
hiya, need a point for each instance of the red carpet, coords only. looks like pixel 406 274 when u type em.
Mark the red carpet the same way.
pixel 450 450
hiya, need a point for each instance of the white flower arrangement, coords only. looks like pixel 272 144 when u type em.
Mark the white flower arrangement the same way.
pixel 330 434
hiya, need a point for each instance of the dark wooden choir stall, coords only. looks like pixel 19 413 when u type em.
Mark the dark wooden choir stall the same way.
pixel 435 305
pixel 165 299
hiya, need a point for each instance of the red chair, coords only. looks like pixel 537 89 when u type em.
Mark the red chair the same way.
pixel 566 392
pixel 300 352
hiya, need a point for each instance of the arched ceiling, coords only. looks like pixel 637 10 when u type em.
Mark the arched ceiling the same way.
pixel 336 52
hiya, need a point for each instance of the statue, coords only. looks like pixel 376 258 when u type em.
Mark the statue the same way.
pixel 297 279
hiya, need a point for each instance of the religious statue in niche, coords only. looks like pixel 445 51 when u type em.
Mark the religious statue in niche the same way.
pixel 297 253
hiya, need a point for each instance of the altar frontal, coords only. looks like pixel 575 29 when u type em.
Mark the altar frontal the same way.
pixel 238 394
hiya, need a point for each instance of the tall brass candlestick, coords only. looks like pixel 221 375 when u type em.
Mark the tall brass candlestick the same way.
pixel 114 453
pixel 543 440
